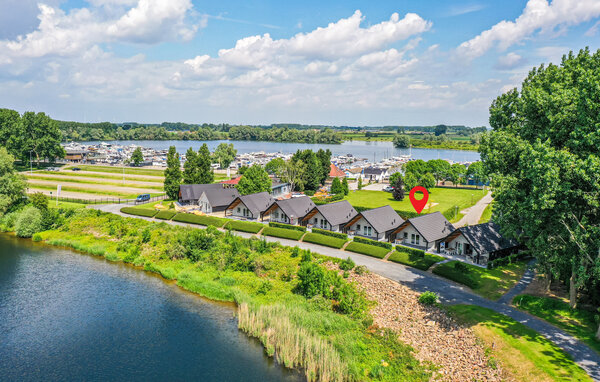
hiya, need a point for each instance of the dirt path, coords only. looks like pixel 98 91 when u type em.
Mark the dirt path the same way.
pixel 473 214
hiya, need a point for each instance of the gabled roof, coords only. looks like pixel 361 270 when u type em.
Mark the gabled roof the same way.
pixel 382 219
pixel 335 172
pixel 256 203
pixel 337 213
pixel 221 197
pixel 193 192
pixel 432 226
pixel 374 171
pixel 296 207
pixel 486 237
pixel 232 181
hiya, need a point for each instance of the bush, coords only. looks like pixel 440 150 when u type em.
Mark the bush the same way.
pixel 283 233
pixel 311 280
pixel 325 232
pixel 327 241
pixel 347 265
pixel 366 249
pixel 506 260
pixel 449 271
pixel 461 267
pixel 29 221
pixel 39 201
pixel 243 226
pixel 165 215
pixel 36 237
pixel 287 226
pixel 416 258
pixel 329 199
pixel 381 244
pixel 200 219
pixel 428 298
pixel 361 270
pixel 138 211
pixel 7 223
pixel 409 250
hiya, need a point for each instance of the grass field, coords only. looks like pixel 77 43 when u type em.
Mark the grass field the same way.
pixel 489 283
pixel 119 170
pixel 578 322
pixel 444 197
pixel 523 352
pixel 96 175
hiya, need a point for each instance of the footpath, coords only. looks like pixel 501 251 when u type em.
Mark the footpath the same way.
pixel 449 292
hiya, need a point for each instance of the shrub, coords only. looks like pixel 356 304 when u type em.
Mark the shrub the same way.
pixel 200 219
pixel 138 211
pixel 327 241
pixel 461 267
pixel 409 250
pixel 428 298
pixel 287 226
pixel 39 201
pixel 7 223
pixel 325 232
pixel 417 259
pixel 449 271
pixel 295 252
pixel 146 235
pixel 350 301
pixel 311 279
pixel 381 244
pixel 36 237
pixel 347 265
pixel 361 270
pixel 29 221
pixel 366 249
pixel 165 215
pixel 244 226
pixel 264 287
pixel 306 256
pixel 283 233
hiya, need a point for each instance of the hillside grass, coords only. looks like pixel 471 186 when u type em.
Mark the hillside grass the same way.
pixel 200 219
pixel 92 191
pixel 105 175
pixel 523 352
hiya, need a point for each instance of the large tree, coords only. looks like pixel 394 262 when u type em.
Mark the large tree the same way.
pixel 477 172
pixel 401 141
pixel 543 159
pixel 190 167
pixel 12 184
pixel 37 136
pixel 439 168
pixel 205 171
pixel 313 169
pixel 398 192
pixel 255 180
pixel 324 157
pixel 225 154
pixel 416 167
pixel 172 174
pixel 9 126
pixel 292 172
pixel 457 173
pixel 137 157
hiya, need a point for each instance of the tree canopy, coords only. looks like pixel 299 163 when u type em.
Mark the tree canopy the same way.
pixel 12 184
pixel 137 157
pixel 401 141
pixel 225 154
pixel 205 171
pixel 254 180
pixel 172 174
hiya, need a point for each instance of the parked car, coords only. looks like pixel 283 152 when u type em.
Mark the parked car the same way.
pixel 388 189
pixel 75 169
pixel 142 198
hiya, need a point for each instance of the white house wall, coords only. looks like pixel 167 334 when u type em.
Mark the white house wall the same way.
pixel 204 204
pixel 410 230
pixel 241 211
pixel 279 216
pixel 359 228
pixel 317 223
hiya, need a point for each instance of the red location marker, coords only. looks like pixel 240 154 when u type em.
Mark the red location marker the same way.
pixel 418 204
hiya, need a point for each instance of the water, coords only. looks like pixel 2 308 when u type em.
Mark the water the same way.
pixel 72 317
pixel 373 151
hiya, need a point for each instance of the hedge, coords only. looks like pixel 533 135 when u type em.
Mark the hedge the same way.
pixel 283 233
pixel 244 226
pixel 287 226
pixel 381 244
pixel 421 261
pixel 165 215
pixel 138 211
pixel 409 250
pixel 403 214
pixel 462 276
pixel 367 249
pixel 506 260
pixel 325 232
pixel 328 241
pixel 329 199
pixel 200 219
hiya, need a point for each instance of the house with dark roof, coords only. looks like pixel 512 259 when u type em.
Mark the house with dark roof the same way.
pixel 290 211
pixel 214 197
pixel 374 174
pixel 280 189
pixel 374 224
pixel 332 216
pixel 480 243
pixel 424 231
pixel 251 206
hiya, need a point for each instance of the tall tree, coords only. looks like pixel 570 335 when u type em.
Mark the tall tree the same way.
pixel 12 184
pixel 410 181
pixel 9 126
pixel 274 165
pixel 457 173
pixel 336 187
pixel 324 157
pixel 190 168
pixel 440 129
pixel 543 159
pixel 292 172
pixel 398 192
pixel 255 180
pixel 137 157
pixel 416 167
pixel 205 171
pixel 401 141
pixel 172 174
pixel 427 181
pixel 311 176
pixel 477 172
pixel 439 168
pixel 38 135
pixel 345 186
pixel 225 154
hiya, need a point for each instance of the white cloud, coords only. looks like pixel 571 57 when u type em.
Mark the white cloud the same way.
pixel 593 30
pixel 509 61
pixel 538 15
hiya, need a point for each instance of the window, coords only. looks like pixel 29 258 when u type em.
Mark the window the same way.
pixel 418 237
pixel 276 215
pixel 367 231
pixel 412 238
pixel 238 210
pixel 405 236
pixel 358 227
pixel 316 221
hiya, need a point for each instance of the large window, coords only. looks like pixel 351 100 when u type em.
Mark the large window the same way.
pixel 367 231
pixel 412 238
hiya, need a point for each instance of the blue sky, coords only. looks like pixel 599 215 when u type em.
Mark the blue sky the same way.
pixel 260 62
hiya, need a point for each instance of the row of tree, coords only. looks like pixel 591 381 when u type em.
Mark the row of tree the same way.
pixel 248 133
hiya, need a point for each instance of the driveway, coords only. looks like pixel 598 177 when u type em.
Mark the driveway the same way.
pixel 449 292
pixel 473 213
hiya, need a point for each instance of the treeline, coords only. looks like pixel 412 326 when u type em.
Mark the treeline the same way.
pixel 248 133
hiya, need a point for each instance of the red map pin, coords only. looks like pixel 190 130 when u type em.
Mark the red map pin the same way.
pixel 418 204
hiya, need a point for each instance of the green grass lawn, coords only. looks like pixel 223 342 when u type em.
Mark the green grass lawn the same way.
pixel 487 214
pixel 92 192
pixel 103 175
pixel 577 322
pixel 423 262
pixel 165 202
pixel 523 352
pixel 120 170
pixel 445 197
pixel 61 204
pixel 283 233
pixel 155 186
pixel 489 283
pixel 328 241
pixel 367 249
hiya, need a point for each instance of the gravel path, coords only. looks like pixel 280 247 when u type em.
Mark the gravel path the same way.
pixel 473 214
pixel 449 292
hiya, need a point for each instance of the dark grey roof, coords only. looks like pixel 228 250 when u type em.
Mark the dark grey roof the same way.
pixel 337 213
pixel 382 219
pixel 374 171
pixel 278 185
pixel 257 203
pixel 296 207
pixel 216 193
pixel 486 238
pixel 432 226
pixel 191 192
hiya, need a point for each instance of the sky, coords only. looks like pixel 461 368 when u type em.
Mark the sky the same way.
pixel 354 63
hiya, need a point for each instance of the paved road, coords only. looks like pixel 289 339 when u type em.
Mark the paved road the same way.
pixel 449 292
pixel 473 214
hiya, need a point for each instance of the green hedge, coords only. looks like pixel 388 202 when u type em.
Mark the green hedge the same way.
pixel 329 199
pixel 381 244
pixel 244 226
pixel 138 211
pixel 506 260
pixel 403 214
pixel 328 241
pixel 421 261
pixel 287 226
pixel 200 219
pixel 325 232
pixel 462 276
pixel 165 215
pixel 412 251
pixel 367 249
pixel 283 233
pixel 450 212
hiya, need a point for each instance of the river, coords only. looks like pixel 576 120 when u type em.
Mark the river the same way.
pixel 71 317
pixel 376 150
